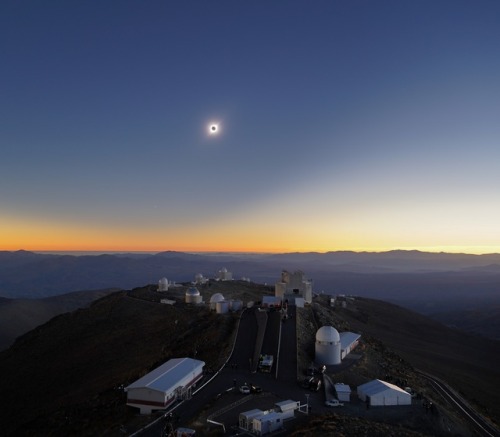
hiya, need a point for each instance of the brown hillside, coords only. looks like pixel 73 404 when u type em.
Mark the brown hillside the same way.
pixel 18 316
pixel 467 362
pixel 63 377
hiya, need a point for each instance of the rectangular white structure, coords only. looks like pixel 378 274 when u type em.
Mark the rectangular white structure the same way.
pixel 267 423
pixel 161 387
pixel 348 341
pixel 246 419
pixel 287 408
pixel 343 392
pixel 378 392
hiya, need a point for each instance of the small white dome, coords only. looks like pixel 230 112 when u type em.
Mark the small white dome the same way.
pixel 223 270
pixel 192 291
pixel 327 334
pixel 163 281
pixel 217 297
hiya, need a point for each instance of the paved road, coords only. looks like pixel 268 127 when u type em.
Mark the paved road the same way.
pixel 240 370
pixel 478 423
pixel 280 385
pixel 287 360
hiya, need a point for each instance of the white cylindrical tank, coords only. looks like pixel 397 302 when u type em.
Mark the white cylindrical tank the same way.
pixel 222 307
pixel 193 295
pixel 163 284
pixel 327 348
pixel 217 297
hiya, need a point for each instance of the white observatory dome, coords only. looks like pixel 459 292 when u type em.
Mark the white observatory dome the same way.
pixel 217 297
pixel 192 291
pixel 163 284
pixel 327 334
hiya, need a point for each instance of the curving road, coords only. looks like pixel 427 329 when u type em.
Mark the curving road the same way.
pixel 478 423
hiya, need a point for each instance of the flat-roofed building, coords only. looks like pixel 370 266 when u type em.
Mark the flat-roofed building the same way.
pixel 343 392
pixel 161 387
pixel 246 419
pixel 287 408
pixel 348 341
pixel 267 423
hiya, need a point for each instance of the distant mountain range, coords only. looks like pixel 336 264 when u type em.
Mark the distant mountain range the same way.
pixel 426 282
pixel 28 274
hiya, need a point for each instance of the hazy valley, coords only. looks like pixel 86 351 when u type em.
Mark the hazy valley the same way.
pixel 458 289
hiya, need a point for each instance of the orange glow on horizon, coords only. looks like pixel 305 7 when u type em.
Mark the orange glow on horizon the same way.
pixel 41 236
pixel 125 247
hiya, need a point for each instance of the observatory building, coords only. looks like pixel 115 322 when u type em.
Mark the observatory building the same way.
pixel 328 346
pixel 332 347
pixel 224 275
pixel 216 298
pixel 163 284
pixel 200 279
pixel 294 285
pixel 193 295
pixel 171 381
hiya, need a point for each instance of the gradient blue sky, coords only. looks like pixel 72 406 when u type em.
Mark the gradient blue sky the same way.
pixel 363 125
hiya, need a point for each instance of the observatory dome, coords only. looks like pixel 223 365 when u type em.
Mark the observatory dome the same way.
pixel 327 334
pixel 192 291
pixel 217 297
pixel 163 284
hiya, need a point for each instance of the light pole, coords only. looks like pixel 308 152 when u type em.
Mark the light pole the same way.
pixel 307 403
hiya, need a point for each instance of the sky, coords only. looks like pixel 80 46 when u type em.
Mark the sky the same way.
pixel 342 125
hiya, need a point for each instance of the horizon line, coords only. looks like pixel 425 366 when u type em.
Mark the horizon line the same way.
pixel 253 252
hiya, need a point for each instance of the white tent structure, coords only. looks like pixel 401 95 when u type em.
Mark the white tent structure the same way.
pixel 378 392
pixel 162 386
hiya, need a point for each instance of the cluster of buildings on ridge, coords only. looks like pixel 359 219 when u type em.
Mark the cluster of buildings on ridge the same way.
pixel 293 288
pixel 222 275
pixel 176 379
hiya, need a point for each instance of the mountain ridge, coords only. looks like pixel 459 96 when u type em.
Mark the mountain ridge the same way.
pixel 82 356
pixel 29 274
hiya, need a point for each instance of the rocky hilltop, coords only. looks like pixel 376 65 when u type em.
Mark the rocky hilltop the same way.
pixel 66 377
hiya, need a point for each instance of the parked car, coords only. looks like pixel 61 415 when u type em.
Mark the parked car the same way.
pixel 255 388
pixel 245 389
pixel 334 403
